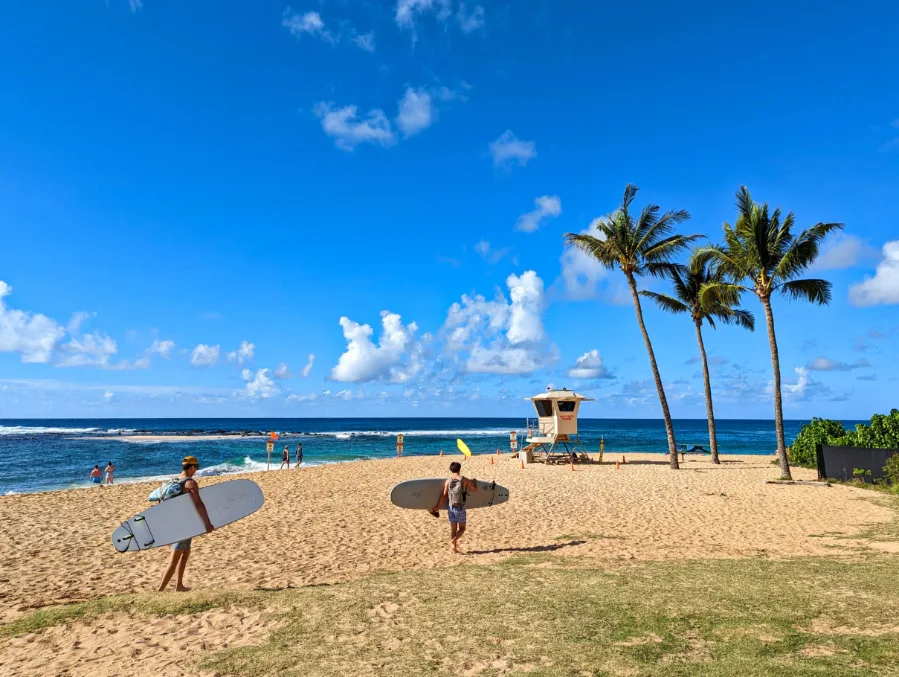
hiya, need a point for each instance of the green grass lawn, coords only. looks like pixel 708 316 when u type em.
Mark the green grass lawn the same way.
pixel 551 615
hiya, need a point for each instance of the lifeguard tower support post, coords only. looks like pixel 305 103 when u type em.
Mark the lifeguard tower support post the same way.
pixel 553 438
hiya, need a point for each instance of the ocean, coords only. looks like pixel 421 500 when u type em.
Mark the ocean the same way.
pixel 47 454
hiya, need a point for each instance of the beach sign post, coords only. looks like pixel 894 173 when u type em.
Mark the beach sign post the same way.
pixel 399 445
pixel 513 440
pixel 269 448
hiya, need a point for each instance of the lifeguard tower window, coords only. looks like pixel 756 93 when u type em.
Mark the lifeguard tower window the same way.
pixel 566 406
pixel 544 407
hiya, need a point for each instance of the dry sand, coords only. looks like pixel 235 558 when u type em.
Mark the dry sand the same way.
pixel 335 523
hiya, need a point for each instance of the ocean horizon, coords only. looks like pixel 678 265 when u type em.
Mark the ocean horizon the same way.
pixel 50 454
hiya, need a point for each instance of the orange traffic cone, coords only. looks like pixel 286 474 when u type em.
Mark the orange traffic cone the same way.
pixel 572 466
pixel 522 465
pixel 617 465
pixel 491 460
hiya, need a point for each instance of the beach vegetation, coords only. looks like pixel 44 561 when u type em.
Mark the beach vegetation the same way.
pixel 639 245
pixel 763 255
pixel 687 284
pixel 803 450
pixel 881 433
pixel 891 470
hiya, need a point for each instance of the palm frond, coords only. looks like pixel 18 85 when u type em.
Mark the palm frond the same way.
pixel 803 250
pixel 666 302
pixel 815 291
pixel 738 316
pixel 630 192
pixel 721 293
pixel 665 249
pixel 603 250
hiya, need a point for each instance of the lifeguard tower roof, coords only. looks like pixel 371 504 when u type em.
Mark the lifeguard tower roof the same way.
pixel 563 394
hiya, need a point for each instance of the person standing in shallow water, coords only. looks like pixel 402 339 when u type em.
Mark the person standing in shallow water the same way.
pixel 181 549
pixel 299 455
pixel 285 457
pixel 110 473
pixel 96 475
pixel 455 492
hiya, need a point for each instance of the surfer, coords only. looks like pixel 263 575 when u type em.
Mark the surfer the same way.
pixel 299 454
pixel 96 475
pixel 181 549
pixel 455 491
pixel 110 472
pixel 285 457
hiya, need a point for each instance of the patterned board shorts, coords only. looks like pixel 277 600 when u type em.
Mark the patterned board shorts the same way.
pixel 456 515
pixel 182 545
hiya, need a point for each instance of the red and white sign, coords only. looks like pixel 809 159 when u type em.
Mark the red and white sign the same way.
pixel 513 440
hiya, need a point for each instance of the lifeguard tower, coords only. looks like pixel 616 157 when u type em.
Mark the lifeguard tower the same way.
pixel 553 437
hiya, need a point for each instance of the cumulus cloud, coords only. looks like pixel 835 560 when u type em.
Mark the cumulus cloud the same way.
pixel 589 366
pixel 825 364
pixel 499 336
pixel 310 360
pixel 415 112
pixel 308 23
pixel 163 348
pixel 396 357
pixel 349 130
pixel 78 318
pixel 260 386
pixel 244 353
pixel 282 371
pixel 204 355
pixel 509 149
pixel 32 335
pixel 470 21
pixel 547 206
pixel 581 273
pixel 883 287
pixel 88 350
pixel 843 251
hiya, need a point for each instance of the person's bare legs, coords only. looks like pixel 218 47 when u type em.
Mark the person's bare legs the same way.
pixel 170 569
pixel 181 565
pixel 459 532
pixel 453 536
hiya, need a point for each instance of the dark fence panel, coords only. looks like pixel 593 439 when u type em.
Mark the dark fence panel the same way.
pixel 838 462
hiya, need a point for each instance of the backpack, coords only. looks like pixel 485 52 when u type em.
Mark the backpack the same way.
pixel 457 494
pixel 168 489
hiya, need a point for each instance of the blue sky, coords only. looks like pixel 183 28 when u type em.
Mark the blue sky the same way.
pixel 344 208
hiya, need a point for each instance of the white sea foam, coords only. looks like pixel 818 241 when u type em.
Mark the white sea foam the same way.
pixel 11 493
pixel 345 435
pixel 42 430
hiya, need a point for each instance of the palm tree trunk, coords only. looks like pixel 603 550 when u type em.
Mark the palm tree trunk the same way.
pixel 669 428
pixel 713 438
pixel 778 402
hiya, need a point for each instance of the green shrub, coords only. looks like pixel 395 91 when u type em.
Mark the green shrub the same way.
pixel 819 431
pixel 881 433
pixel 891 470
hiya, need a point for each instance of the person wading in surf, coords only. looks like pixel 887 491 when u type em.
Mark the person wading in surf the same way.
pixel 455 491
pixel 181 549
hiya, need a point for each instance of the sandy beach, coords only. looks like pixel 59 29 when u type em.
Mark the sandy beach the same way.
pixel 335 523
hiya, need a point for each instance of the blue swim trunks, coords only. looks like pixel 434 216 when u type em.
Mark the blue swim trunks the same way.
pixel 456 515
pixel 95 480
pixel 182 545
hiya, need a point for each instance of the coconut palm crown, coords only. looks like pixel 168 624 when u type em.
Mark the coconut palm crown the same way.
pixel 761 254
pixel 639 245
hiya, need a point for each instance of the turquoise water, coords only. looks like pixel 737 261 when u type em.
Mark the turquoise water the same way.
pixel 40 455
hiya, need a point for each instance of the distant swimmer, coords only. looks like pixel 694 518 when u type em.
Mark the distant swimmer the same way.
pixel 455 492
pixel 181 549
pixel 96 475
pixel 299 454
pixel 285 457
pixel 110 473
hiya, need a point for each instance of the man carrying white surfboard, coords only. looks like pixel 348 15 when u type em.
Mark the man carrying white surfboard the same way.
pixel 181 549
pixel 455 491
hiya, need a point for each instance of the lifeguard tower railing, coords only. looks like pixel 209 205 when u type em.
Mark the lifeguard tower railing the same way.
pixel 533 428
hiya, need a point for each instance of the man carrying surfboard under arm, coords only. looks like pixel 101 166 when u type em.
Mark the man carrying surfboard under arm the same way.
pixel 181 549
pixel 455 491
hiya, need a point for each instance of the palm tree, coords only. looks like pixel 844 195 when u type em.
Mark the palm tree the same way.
pixel 688 282
pixel 644 246
pixel 761 254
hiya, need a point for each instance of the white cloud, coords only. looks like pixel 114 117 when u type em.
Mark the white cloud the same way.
pixel 589 366
pixel 843 251
pixel 78 318
pixel 309 23
pixel 547 206
pixel 415 112
pixel 407 9
pixel 260 386
pixel 294 397
pixel 164 348
pixel 309 362
pixel 365 41
pixel 204 355
pixel 243 354
pixel 396 357
pixel 33 335
pixel 89 350
pixel 135 5
pixel 883 288
pixel 282 371
pixel 508 150
pixel 581 275
pixel 349 130
pixel 501 337
pixel 108 395
pixel 490 254
pixel 470 22
pixel 825 364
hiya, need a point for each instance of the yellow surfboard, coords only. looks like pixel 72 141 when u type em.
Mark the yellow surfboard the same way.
pixel 466 452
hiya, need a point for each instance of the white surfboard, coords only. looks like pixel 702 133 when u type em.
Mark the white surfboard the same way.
pixel 177 518
pixel 423 494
